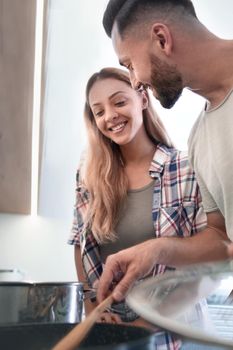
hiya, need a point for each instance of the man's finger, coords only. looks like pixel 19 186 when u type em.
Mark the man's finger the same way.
pixel 106 280
pixel 126 283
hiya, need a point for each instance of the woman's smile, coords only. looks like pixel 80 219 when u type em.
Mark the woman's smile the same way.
pixel 118 127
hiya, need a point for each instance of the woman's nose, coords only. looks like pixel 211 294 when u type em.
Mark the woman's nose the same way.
pixel 111 115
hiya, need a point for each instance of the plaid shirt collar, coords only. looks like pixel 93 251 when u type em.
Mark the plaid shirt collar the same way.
pixel 161 156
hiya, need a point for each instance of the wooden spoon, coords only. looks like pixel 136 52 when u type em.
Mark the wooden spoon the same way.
pixel 78 333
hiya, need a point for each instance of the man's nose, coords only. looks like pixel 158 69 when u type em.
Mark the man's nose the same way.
pixel 134 82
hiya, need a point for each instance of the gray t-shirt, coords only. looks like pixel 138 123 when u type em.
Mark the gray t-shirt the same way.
pixel 211 155
pixel 135 223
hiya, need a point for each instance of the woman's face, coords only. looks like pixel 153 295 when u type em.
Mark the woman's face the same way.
pixel 117 109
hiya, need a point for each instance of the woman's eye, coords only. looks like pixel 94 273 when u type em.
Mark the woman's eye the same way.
pixel 99 113
pixel 120 103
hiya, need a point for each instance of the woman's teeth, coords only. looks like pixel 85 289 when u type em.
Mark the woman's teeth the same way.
pixel 118 127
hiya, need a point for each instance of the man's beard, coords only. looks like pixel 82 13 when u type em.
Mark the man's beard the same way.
pixel 166 81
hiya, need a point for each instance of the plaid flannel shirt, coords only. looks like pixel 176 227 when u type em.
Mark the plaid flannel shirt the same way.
pixel 176 208
pixel 176 211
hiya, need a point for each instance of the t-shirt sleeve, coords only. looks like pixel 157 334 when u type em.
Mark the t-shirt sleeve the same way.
pixel 209 203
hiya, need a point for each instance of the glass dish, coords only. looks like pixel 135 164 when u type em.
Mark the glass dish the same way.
pixel 195 302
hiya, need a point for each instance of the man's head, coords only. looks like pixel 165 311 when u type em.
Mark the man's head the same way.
pixel 142 32
pixel 130 13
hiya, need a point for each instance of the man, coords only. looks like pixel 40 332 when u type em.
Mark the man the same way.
pixel 166 48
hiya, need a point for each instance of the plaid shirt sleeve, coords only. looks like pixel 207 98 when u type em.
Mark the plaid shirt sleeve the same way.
pixel 80 209
pixel 82 235
pixel 91 258
pixel 177 208
pixel 177 204
pixel 192 217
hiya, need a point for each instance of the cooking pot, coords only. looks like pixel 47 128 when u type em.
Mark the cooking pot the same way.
pixel 37 315
pixel 29 302
pixel 101 337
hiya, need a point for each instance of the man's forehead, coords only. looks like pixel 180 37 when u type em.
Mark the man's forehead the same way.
pixel 120 44
pixel 116 37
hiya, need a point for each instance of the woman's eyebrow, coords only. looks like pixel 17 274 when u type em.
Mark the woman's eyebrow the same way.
pixel 111 96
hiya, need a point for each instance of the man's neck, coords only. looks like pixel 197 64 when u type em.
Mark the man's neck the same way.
pixel 214 79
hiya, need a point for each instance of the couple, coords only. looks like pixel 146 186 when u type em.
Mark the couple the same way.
pixel 131 169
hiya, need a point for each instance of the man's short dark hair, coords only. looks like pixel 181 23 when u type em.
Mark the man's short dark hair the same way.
pixel 126 12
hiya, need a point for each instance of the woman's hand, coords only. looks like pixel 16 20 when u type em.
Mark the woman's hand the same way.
pixel 109 317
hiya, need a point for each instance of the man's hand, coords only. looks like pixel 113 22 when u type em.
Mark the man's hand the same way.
pixel 125 268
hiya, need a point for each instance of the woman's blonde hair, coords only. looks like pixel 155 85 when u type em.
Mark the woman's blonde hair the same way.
pixel 103 174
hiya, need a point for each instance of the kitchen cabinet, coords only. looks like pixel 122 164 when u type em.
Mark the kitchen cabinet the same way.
pixel 17 46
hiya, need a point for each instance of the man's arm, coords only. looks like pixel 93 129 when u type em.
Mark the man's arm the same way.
pixel 138 261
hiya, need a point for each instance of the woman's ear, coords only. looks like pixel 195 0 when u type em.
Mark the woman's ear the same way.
pixel 162 37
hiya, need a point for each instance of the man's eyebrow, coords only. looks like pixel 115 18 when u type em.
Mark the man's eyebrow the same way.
pixel 111 96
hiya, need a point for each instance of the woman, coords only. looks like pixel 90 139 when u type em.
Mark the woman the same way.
pixel 132 184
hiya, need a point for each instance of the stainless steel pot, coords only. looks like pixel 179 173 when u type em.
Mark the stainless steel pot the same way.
pixel 29 302
pixel 37 315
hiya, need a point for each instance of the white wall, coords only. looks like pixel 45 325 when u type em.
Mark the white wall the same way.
pixel 37 246
pixel 78 46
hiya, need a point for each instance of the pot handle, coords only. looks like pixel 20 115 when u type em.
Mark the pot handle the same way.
pixel 89 293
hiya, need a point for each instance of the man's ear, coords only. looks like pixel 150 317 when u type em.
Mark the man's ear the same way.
pixel 162 37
